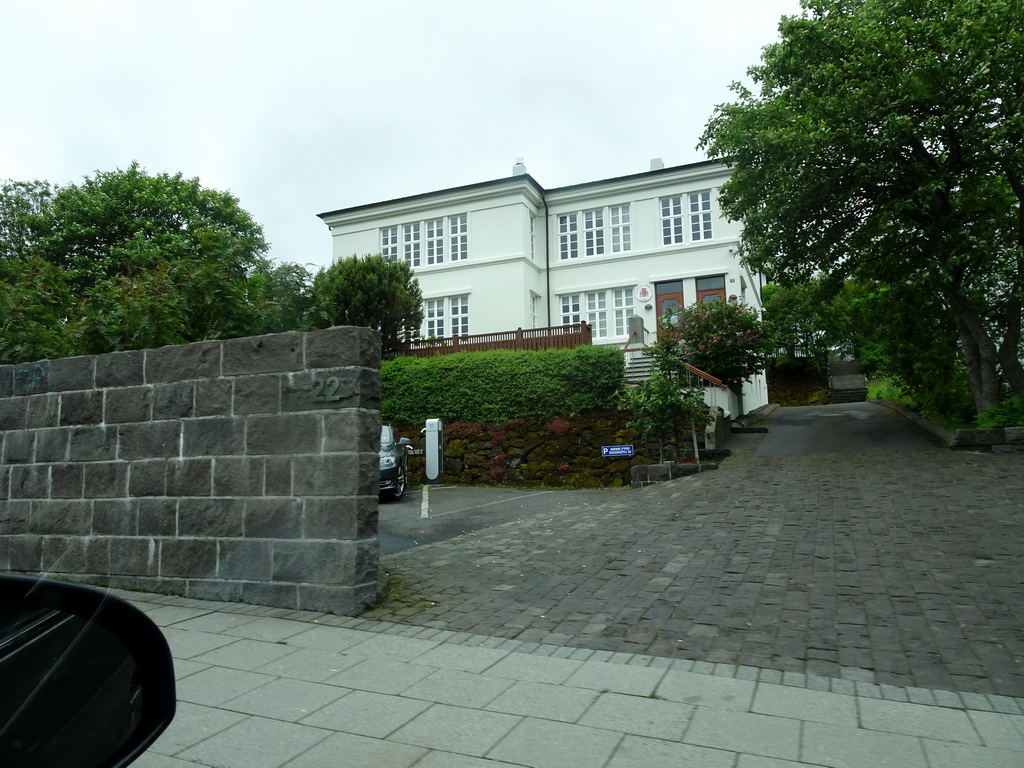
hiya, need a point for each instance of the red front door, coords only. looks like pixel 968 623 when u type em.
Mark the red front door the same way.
pixel 668 298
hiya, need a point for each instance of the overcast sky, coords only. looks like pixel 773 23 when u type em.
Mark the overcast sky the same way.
pixel 304 106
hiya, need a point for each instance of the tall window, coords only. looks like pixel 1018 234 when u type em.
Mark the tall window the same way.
pixel 533 239
pixel 593 231
pixel 671 220
pixel 534 309
pixel 618 216
pixel 568 236
pixel 597 313
pixel 389 243
pixel 435 241
pixel 424 242
pixel 622 308
pixel 460 315
pixel 433 310
pixel 570 309
pixel 459 231
pixel 700 215
pixel 411 244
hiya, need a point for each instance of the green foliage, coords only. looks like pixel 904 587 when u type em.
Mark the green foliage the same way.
pixel 886 142
pixel 663 409
pixel 501 385
pixel 722 339
pixel 127 260
pixel 371 292
pixel 21 204
pixel 33 301
pixel 1009 413
pixel 281 297
pixel 123 222
pixel 809 320
pixel 907 339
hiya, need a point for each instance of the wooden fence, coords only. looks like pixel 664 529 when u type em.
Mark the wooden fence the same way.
pixel 555 337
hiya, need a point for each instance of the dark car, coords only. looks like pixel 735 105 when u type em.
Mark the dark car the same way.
pixel 394 463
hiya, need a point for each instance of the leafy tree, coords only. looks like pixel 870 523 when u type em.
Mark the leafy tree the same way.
pixel 127 260
pixel 663 407
pixel 281 295
pixel 887 143
pixel 371 292
pixel 124 222
pixel 21 203
pixel 34 300
pixel 808 321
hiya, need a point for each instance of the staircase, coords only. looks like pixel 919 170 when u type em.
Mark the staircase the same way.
pixel 638 366
pixel 847 383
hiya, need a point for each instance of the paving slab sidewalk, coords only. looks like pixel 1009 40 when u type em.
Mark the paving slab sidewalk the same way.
pixel 270 688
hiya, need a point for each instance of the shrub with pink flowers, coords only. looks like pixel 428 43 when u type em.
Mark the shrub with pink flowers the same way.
pixel 723 339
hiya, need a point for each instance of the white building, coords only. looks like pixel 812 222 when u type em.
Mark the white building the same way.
pixel 508 254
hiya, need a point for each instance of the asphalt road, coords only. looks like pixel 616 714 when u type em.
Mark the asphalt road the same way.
pixel 843 428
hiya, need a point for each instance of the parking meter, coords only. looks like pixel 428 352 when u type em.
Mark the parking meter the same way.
pixel 433 451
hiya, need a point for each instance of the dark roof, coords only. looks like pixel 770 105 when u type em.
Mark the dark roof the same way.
pixel 514 179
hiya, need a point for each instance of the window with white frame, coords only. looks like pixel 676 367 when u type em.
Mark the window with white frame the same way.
pixel 433 312
pixel 389 243
pixel 570 309
pixel 700 215
pixel 533 239
pixel 459 232
pixel 569 236
pixel 459 306
pixel 435 241
pixel 602 310
pixel 593 232
pixel 411 244
pixel 618 220
pixel 672 220
pixel 446 316
pixel 597 313
pixel 424 242
pixel 622 308
pixel 534 309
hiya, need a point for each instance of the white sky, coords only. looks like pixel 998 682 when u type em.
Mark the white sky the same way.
pixel 304 106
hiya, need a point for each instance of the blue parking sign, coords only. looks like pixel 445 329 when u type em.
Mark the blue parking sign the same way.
pixel 616 450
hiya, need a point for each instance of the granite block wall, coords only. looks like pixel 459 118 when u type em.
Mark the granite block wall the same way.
pixel 239 470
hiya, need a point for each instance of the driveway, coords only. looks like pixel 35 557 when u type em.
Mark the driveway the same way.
pixel 896 563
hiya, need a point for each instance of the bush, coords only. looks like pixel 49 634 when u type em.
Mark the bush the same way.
pixel 1009 413
pixel 501 385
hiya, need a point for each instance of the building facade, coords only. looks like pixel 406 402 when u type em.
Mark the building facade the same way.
pixel 507 253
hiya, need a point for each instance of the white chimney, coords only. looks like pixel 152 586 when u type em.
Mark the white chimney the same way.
pixel 657 164
pixel 519 169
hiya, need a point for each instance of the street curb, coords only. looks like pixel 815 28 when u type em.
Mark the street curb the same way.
pixel 939 434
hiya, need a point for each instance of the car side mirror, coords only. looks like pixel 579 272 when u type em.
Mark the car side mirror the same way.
pixel 405 441
pixel 87 678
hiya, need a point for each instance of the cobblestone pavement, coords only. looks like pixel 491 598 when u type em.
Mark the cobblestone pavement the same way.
pixel 893 568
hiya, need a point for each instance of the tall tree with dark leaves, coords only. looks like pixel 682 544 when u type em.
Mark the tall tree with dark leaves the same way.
pixel 372 292
pixel 886 142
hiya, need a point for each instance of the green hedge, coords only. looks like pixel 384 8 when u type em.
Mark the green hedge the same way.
pixel 501 385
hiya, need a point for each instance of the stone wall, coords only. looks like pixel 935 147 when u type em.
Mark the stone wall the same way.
pixel 240 470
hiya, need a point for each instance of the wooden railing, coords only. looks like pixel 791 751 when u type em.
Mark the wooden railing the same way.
pixel 555 337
